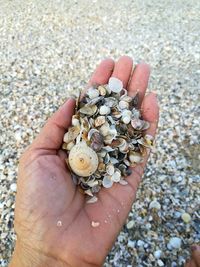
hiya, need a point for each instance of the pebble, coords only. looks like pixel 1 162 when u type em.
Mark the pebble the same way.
pixel 154 205
pixel 157 254
pixel 130 224
pixel 13 187
pixel 95 224
pixel 186 217
pixel 174 243
pixel 160 263
pixel 140 243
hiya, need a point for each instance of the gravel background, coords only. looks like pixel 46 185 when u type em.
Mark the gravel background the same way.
pixel 49 48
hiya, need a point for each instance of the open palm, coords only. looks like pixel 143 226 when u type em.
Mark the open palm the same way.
pixel 52 220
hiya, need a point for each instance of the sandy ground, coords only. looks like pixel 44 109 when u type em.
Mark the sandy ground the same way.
pixel 49 49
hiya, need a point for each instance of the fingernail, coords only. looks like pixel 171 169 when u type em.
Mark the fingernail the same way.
pixel 194 247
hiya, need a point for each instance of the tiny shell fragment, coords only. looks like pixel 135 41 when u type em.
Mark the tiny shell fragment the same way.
pixel 95 224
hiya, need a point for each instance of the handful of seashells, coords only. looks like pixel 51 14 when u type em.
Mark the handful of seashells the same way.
pixel 107 138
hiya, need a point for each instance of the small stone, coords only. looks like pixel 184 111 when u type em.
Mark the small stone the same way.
pixel 157 254
pixel 160 263
pixel 13 187
pixel 155 205
pixel 95 224
pixel 130 224
pixel 174 242
pixel 140 243
pixel 186 217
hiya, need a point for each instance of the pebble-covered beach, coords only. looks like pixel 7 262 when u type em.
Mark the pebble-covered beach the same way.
pixel 48 49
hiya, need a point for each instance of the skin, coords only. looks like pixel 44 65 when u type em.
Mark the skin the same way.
pixel 52 219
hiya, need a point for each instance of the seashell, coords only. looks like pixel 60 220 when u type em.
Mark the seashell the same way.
pixel 107 182
pixel 123 182
pixel 100 120
pixel 91 132
pixel 69 145
pixel 110 169
pixel 149 139
pixel 88 110
pixel 102 90
pixel 116 114
pixel 125 171
pixel 137 124
pixel 126 119
pixel 112 121
pixel 75 121
pixel 126 112
pixel 135 113
pixel 96 188
pixel 88 192
pixel 83 160
pixel 116 176
pixel 111 102
pixel 71 135
pixel 92 93
pixel 123 104
pixel 101 167
pixel 94 101
pixel 104 110
pixel 92 199
pixel 135 157
pixel 126 98
pixel 104 129
pixel 115 85
pixel 109 138
pixel 124 146
pixel 113 160
pixel 92 183
pixel 97 141
pixel 106 158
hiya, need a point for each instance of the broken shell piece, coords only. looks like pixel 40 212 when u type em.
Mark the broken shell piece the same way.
pixel 149 139
pixel 91 132
pixel 95 224
pixel 126 119
pixel 110 169
pixel 101 167
pixel 116 176
pixel 126 98
pixel 83 160
pixel 88 192
pixel 92 199
pixel 104 110
pixel 69 145
pixel 104 129
pixel 75 121
pixel 88 110
pixel 100 120
pixel 123 182
pixel 123 104
pixel 72 133
pixel 135 157
pixel 107 182
pixel 102 90
pixel 97 141
pixel 92 93
pixel 111 102
pixel 115 85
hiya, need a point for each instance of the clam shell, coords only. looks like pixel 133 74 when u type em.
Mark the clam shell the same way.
pixel 72 133
pixel 92 93
pixel 123 104
pixel 126 119
pixel 126 98
pixel 94 101
pixel 115 85
pixel 91 132
pixel 104 129
pixel 135 157
pixel 101 167
pixel 116 176
pixel 110 169
pixel 104 110
pixel 107 182
pixel 83 160
pixel 102 90
pixel 88 110
pixel 100 120
pixel 111 102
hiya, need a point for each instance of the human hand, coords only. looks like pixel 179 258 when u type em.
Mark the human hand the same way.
pixel 52 219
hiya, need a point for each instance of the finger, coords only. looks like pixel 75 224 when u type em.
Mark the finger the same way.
pixel 101 75
pixel 190 263
pixel 123 196
pixel 102 72
pixel 122 69
pixel 139 81
pixel 51 136
pixel 195 251
pixel 150 113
